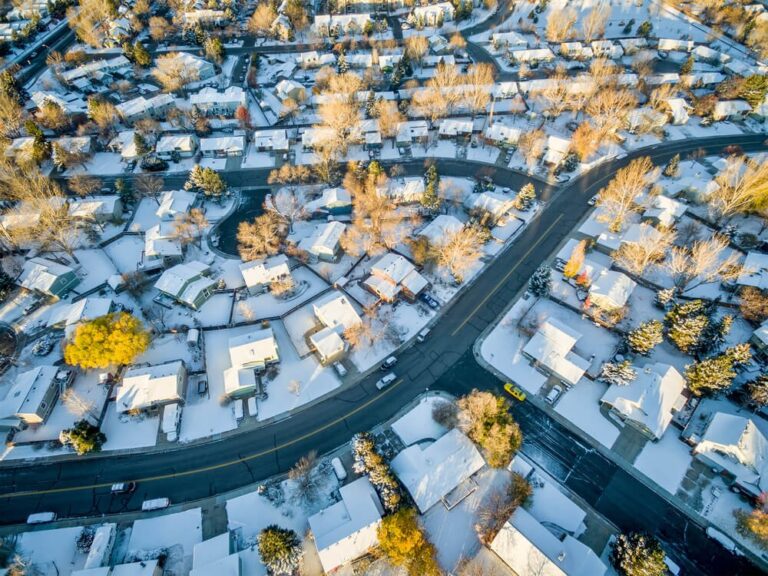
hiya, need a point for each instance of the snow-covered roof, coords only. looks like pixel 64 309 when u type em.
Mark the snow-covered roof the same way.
pixel 226 144
pixel 176 279
pixel 347 529
pixel 95 66
pixel 289 89
pixel 726 108
pixel 239 380
pixel 330 198
pixel 393 267
pixel 140 105
pixel 408 131
pixel 645 118
pixel 679 109
pixel 40 274
pixel 500 133
pixel 324 240
pixel 259 272
pixel 523 542
pixel 203 68
pixel 210 96
pixel 341 20
pixel 674 44
pixel 175 202
pixel 161 241
pixel 430 473
pixel 176 142
pixel 404 189
pixel 611 289
pixel 492 202
pixel 75 144
pixel 761 333
pixel 441 228
pixel 27 392
pixel 532 54
pixel 335 311
pixel 649 400
pixel 254 348
pixel 312 137
pixel 314 59
pixel 702 52
pixel 94 206
pixel 454 127
pixel 557 148
pixel 142 568
pixel 80 311
pixel 327 342
pixel 147 386
pixel 430 10
pixel 755 271
pixel 552 345
pixel 664 209
pixel 270 140
pixel 509 39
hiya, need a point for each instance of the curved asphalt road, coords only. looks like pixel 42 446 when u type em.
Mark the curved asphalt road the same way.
pixel 80 486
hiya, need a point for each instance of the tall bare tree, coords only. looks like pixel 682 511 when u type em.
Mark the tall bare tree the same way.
pixel 149 186
pixel 260 238
pixel 619 198
pixel 704 262
pixel 172 72
pixel 742 187
pixel 650 248
pixel 593 24
pixel 460 251
pixel 560 23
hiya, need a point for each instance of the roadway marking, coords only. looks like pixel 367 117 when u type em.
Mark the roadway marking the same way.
pixel 213 466
pixel 507 275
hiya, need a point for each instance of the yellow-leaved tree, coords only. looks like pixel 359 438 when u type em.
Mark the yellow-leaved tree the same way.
pixel 106 341
pixel 403 542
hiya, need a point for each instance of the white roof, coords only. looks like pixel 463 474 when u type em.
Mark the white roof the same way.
pixel 288 89
pixel 148 386
pixel 211 550
pixel 441 228
pixel 208 96
pixel 93 206
pixel 40 274
pixel 143 568
pixel 761 333
pixel 500 133
pixel 523 543
pixel 316 136
pixel 612 288
pixel 665 209
pixel 432 472
pixel 393 267
pixel 80 311
pixel 226 144
pixel 180 142
pixel 347 529
pixel 160 240
pixel 140 105
pixel 327 342
pixel 174 202
pixel 407 131
pixel 335 311
pixel 324 240
pixel 649 398
pixel 75 144
pixel 491 202
pixel 404 189
pixel 27 392
pixel 175 280
pixel 258 272
pixel 755 271
pixel 253 348
pixel 331 197
pixel 679 108
pixel 96 66
pixel 557 148
pixel 551 346
pixel 533 54
pixel 452 127
pixel 271 139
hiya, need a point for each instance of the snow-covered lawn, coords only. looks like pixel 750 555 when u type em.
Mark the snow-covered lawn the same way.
pixel 125 432
pixel 581 405
pixel 125 252
pixel 53 552
pixel 95 268
pixel 172 347
pixel 417 424
pixel 170 531
pixel 666 461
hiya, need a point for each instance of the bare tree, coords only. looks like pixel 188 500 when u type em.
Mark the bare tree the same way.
pixel 11 115
pixel 531 145
pixel 704 262
pixel 260 22
pixel 460 251
pixel 479 83
pixel 84 184
pixel 593 24
pixel 618 199
pixel 149 186
pixel 172 73
pixel 742 187
pixel 305 477
pixel 416 47
pixel 650 248
pixel 560 23
pixel 282 286
pixel 286 204
pixel 78 406
pixel 585 141
pixel 609 108
pixel 389 117
pixel 260 238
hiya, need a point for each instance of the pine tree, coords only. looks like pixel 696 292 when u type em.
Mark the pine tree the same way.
pixel 619 374
pixel 6 284
pixel 370 103
pixel 717 373
pixel 757 391
pixel 664 297
pixel 279 549
pixel 205 179
pixel 637 554
pixel 525 197
pixel 341 65
pixel 84 437
pixel 430 199
pixel 687 66
pixel 673 168
pixel 576 260
pixel 686 324
pixel 366 460
pixel 713 336
pixel 141 55
pixel 140 143
pixel 646 337
pixel 541 282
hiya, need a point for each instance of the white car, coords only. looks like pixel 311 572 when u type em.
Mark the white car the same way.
pixel 554 394
pixel 592 201
pixel 386 381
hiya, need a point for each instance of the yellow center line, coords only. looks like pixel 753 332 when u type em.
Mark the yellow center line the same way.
pixel 506 276
pixel 213 467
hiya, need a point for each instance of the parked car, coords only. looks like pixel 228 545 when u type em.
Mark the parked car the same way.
pixel 559 264
pixel 153 164
pixel 340 370
pixel 388 363
pixel 338 469
pixel 514 391
pixel 43 346
pixel 429 300
pixel 155 504
pixel 386 381
pixel 41 518
pixel 422 335
pixel 554 394
pixel 123 488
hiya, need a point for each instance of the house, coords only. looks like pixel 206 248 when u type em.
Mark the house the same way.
pixel 173 146
pixel 69 102
pixel 611 290
pixel 556 151
pixel 20 149
pixel 664 211
pixel 508 41
pixel 348 529
pixel 606 49
pixel 324 242
pixel 204 17
pixel 222 146
pixel 328 344
pixel 529 546
pixel 340 24
pixel 501 135
pixel 255 349
pixel 334 310
pixel 31 397
pixel 196 68
pixel 140 107
pixel 187 283
pixel 731 110
pixel 240 382
pixel 755 271
pixel 313 138
pixel 649 402
pixel 275 141
pixel 150 387
pixel 438 44
pixel 392 275
pixel 211 102
pixel 313 59
pixel 97 208
pixel 735 446
pixel 431 472
pixel 632 45
pixel 48 277
pixel 282 28
pixel 404 190
pixel 259 274
pixel 290 89
pixel 68 316
pixel 450 128
pixel 410 132
pixel 217 555
pixel 706 54
pixel 80 147
pixel 496 206
pixel 174 203
pixel 125 144
pixel 575 50
pixel 434 14
pixel 332 202
pixel 679 109
pixel 441 229
pixel 96 69
pixel 675 45
pixel 759 338
pixel 533 56
pixel 551 347
pixel 645 119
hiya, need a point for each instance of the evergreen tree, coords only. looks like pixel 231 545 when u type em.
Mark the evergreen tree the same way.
pixel 6 284
pixel 279 549
pixel 713 336
pixel 525 197
pixel 664 297
pixel 366 460
pixel 141 55
pixel 717 373
pixel 686 324
pixel 84 437
pixel 541 282
pixel 757 391
pixel 673 168
pixel 645 29
pixel 140 144
pixel 687 66
pixel 9 84
pixel 637 554
pixel 620 374
pixel 430 199
pixel 370 103
pixel 123 190
pixel 341 64
pixel 645 337
pixel 205 179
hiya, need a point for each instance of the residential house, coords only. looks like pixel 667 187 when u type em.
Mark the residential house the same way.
pixel 645 119
pixel 392 275
pixel 759 339
pixel 441 229
pixel 664 211
pixel 341 24
pixel 410 132
pixel 551 348
pixel 731 110
pixel 404 190
pixel 433 14
pixel 32 396
pixel 737 448
pixel 20 149
pixel 275 141
pixel 333 202
pixel 706 54
pixel 649 402
pixel 217 556
pixel 96 69
pixel 438 44
pixel 632 45
pixel 494 205
pixel 347 529
pixel 313 138
pixel 282 28
pixel 47 277
pixel 259 274
pixel 146 388
pixel 611 290
pixel 173 146
pixel 125 144
pixel 255 349
pixel 324 242
pixel 679 109
pixel 556 151
pixel 501 135
pixel 675 45
pixel 451 128
pixel 606 49
pixel 755 271
pixel 240 382
pixel 162 246
pixel 532 56
pixel 65 147
pixel 313 59
pixel 140 107
pixel 187 283
pixel 174 203
pixel 204 17
pixel 99 209
pixel 197 68
pixel 70 103
pixel 508 41
pixel 222 146
pixel 68 316
pixel 211 102
pixel 430 472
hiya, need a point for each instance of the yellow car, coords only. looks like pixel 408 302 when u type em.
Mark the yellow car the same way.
pixel 514 391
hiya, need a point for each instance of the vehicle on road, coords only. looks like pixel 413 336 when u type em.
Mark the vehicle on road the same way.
pixel 554 394
pixel 733 150
pixel 592 201
pixel 123 488
pixel 514 391
pixel 386 381
pixel 41 517
pixel 388 363
pixel 422 335
pixel 155 504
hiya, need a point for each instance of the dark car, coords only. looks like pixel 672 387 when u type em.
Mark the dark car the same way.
pixel 429 300
pixel 153 164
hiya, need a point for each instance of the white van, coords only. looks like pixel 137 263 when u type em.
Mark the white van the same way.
pixel 41 517
pixel 155 504
pixel 422 335
pixel 386 381
pixel 339 470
